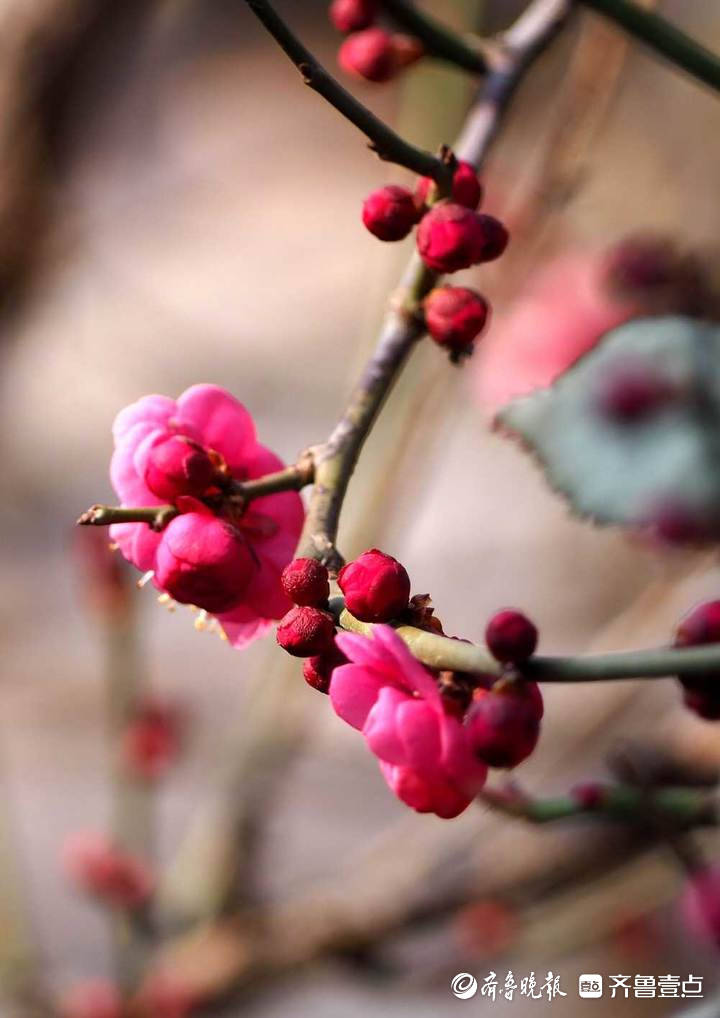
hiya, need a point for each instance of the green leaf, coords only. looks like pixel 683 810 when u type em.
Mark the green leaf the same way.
pixel 630 434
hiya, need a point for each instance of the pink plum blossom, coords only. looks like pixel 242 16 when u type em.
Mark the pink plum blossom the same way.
pixel 95 998
pixel 425 754
pixel 213 556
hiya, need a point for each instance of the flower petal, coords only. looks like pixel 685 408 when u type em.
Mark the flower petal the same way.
pixel 265 594
pixel 381 729
pixel 419 729
pixel 224 423
pixel 241 630
pixel 353 692
pixel 137 543
pixel 150 410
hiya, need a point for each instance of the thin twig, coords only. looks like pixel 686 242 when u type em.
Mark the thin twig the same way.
pixel 663 38
pixel 335 461
pixel 388 145
pixel 292 478
pixel 682 807
pixel 438 40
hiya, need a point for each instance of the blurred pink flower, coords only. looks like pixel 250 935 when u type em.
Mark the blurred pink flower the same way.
pixel 700 904
pixel 232 562
pixel 425 754
pixel 95 998
pixel 99 868
pixel 573 301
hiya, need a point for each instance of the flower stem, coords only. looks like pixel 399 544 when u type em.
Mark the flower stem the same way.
pixel 664 38
pixel 156 516
pixel 292 478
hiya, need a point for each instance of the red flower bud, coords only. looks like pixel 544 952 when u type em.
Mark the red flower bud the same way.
pixel 466 188
pixel 305 581
pixel 701 625
pixel 451 237
pixel 204 561
pixel 306 631
pixel 353 15
pixel 318 670
pixel 177 465
pixel 390 213
pixel 376 587
pixel 151 741
pixel 369 54
pixel 511 636
pixel 101 869
pixel 701 692
pixel 407 49
pixel 589 794
pixel 455 316
pixel 504 724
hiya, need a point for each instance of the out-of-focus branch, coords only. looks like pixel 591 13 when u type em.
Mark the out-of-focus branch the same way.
pixel 388 145
pixel 678 808
pixel 41 44
pixel 335 460
pixel 467 52
pixel 662 37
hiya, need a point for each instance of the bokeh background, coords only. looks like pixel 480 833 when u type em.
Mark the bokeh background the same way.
pixel 176 208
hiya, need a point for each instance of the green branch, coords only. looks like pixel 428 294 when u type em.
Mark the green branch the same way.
pixel 454 655
pixel 682 807
pixel 661 36
pixel 438 40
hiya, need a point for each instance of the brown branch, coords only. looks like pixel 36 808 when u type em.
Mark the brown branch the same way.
pixel 388 145
pixel 335 460
pixel 292 478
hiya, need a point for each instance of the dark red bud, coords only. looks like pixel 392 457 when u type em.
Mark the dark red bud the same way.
pixel 306 582
pixel 389 213
pixel 376 587
pixel 306 631
pixel 369 54
pixel 511 636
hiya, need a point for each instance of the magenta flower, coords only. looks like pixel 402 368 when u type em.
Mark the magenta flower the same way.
pixel 214 556
pixel 425 754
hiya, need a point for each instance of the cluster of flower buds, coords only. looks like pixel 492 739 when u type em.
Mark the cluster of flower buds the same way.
pixel 451 235
pixel 100 868
pixel 370 52
pixel 376 589
pixel 701 693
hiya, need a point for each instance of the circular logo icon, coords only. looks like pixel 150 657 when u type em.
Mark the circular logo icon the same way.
pixel 464 985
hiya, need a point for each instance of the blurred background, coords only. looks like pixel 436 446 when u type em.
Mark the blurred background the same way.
pixel 176 208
